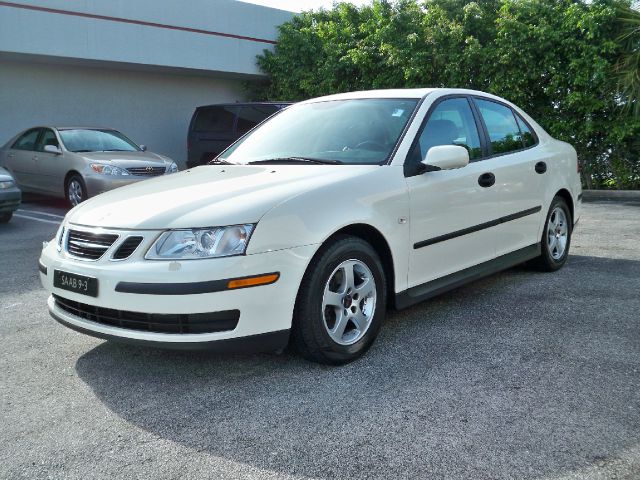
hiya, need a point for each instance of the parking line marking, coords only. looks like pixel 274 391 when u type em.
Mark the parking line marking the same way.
pixel 36 212
pixel 35 218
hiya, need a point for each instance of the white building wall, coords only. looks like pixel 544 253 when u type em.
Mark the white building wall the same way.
pixel 168 33
pixel 152 108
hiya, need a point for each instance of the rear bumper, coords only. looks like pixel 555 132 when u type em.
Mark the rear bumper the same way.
pixel 10 200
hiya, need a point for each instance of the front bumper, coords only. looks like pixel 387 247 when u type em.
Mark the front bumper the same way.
pixel 265 311
pixel 10 199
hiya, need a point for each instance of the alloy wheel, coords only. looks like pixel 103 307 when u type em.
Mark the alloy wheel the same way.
pixel 557 233
pixel 349 302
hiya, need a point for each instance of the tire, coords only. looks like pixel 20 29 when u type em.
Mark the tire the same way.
pixel 553 257
pixel 5 217
pixel 314 318
pixel 77 195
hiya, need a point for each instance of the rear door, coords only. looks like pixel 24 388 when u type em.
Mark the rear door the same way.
pixel 519 175
pixel 20 161
pixel 212 130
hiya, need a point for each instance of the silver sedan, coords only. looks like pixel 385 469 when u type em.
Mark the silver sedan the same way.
pixel 78 162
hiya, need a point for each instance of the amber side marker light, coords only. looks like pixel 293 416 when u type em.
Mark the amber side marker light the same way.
pixel 253 281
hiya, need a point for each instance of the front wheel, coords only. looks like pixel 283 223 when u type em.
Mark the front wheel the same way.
pixel 341 303
pixel 556 237
pixel 76 190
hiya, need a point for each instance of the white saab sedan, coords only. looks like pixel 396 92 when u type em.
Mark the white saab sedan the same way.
pixel 309 227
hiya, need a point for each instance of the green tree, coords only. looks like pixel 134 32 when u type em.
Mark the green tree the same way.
pixel 554 58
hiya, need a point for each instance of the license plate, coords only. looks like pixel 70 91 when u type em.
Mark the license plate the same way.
pixel 76 283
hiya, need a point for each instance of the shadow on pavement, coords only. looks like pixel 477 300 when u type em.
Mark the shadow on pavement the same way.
pixel 519 375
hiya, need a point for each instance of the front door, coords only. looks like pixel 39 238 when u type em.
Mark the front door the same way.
pixel 51 168
pixel 449 209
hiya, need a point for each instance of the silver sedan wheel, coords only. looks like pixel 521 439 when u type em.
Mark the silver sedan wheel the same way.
pixel 349 302
pixel 75 192
pixel 557 233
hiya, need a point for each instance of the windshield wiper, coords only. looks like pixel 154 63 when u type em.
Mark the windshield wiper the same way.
pixel 219 161
pixel 318 161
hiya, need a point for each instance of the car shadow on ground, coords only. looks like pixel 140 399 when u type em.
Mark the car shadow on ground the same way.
pixel 519 375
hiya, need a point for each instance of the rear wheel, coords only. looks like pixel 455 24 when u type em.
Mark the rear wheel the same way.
pixel 5 217
pixel 341 303
pixel 556 237
pixel 76 190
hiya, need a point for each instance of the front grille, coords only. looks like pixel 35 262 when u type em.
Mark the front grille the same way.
pixel 153 322
pixel 127 247
pixel 88 245
pixel 147 171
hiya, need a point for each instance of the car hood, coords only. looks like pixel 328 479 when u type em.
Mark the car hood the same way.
pixel 126 159
pixel 207 196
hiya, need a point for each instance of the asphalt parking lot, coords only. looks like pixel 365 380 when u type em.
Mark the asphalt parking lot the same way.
pixel 521 375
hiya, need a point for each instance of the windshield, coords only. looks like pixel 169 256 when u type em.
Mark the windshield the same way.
pixel 90 140
pixel 356 131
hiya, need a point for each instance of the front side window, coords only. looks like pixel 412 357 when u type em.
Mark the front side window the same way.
pixel 27 141
pixel 47 138
pixel 215 119
pixel 450 123
pixel 93 140
pixel 502 127
pixel 354 131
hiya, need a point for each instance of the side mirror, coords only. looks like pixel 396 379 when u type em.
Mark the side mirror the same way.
pixel 445 157
pixel 52 149
pixel 143 148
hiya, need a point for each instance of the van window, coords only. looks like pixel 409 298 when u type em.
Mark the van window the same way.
pixel 250 116
pixel 215 119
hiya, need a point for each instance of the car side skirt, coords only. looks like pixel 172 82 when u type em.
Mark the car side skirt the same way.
pixel 435 287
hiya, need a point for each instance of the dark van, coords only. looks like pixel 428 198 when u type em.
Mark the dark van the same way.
pixel 214 127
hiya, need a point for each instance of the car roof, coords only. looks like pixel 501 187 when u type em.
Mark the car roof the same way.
pixel 414 93
pixel 243 104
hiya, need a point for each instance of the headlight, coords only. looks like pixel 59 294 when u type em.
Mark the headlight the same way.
pixel 59 237
pixel 6 184
pixel 201 243
pixel 173 168
pixel 108 169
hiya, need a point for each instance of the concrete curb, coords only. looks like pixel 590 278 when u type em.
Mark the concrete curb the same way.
pixel 620 195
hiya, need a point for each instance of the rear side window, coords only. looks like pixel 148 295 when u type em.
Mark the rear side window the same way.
pixel 215 119
pixel 528 139
pixel 27 141
pixel 502 127
pixel 250 116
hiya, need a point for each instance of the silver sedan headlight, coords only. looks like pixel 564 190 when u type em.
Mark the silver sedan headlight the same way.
pixel 108 169
pixel 173 168
pixel 201 243
pixel 6 184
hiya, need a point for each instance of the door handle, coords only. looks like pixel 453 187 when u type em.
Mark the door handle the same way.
pixel 10 155
pixel 486 179
pixel 541 167
pixel 35 157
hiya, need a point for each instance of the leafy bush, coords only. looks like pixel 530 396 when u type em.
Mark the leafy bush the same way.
pixel 554 58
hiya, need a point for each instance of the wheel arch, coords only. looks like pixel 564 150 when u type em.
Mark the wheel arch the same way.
pixel 564 194
pixel 376 239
